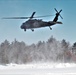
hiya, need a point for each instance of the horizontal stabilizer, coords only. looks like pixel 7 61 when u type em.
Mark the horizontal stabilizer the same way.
pixel 59 22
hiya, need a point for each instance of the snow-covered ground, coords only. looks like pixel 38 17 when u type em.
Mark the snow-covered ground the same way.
pixel 39 69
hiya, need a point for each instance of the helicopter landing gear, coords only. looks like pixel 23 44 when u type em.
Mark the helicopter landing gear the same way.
pixel 32 29
pixel 50 28
pixel 24 29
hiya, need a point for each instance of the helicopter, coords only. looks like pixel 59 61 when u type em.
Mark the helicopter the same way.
pixel 32 23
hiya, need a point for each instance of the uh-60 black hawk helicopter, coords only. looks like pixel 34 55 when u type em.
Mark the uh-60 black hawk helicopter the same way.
pixel 36 23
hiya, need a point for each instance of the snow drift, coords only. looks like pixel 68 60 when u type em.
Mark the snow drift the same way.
pixel 39 69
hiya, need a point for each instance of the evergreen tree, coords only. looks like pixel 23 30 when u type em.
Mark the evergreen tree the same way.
pixel 19 52
pixel 4 52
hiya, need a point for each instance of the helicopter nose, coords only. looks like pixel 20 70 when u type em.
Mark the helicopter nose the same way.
pixel 22 27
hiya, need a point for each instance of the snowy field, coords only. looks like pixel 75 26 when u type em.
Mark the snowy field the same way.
pixel 39 69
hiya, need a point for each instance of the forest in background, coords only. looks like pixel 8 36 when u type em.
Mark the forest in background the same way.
pixel 50 51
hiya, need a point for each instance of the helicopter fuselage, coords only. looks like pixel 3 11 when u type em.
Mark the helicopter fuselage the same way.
pixel 36 23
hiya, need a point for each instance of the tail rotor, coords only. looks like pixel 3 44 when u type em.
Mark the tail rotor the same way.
pixel 58 13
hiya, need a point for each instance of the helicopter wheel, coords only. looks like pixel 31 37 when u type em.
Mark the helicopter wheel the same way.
pixel 24 29
pixel 50 28
pixel 32 29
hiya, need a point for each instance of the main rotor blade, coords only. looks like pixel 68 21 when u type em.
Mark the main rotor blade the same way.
pixel 25 17
pixel 15 17
pixel 43 16
pixel 32 15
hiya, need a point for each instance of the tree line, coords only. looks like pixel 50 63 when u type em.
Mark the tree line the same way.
pixel 50 51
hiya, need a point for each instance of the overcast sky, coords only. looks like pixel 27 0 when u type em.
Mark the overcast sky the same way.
pixel 10 29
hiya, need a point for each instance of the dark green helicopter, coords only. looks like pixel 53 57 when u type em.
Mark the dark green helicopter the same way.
pixel 32 23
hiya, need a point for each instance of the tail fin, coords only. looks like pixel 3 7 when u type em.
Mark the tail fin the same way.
pixel 57 15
